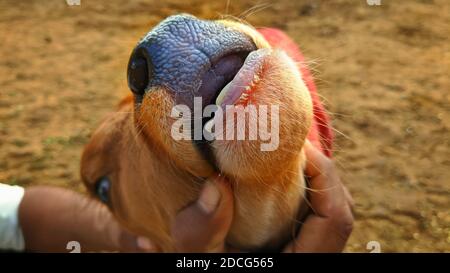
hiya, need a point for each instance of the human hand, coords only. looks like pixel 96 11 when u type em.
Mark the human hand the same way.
pixel 203 226
pixel 329 226
pixel 50 217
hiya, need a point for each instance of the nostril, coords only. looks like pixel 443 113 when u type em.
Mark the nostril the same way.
pixel 138 77
pixel 188 57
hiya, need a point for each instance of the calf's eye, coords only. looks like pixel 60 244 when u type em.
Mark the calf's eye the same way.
pixel 102 188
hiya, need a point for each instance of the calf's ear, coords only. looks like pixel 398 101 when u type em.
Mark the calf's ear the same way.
pixel 101 154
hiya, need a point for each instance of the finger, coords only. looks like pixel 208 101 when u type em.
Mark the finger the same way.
pixel 316 161
pixel 111 236
pixel 204 225
pixel 319 234
pixel 328 229
pixel 326 192
pixel 328 232
pixel 132 243
pixel 348 196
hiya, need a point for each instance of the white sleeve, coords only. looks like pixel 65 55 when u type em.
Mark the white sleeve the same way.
pixel 11 237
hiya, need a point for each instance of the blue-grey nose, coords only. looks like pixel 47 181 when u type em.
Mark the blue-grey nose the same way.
pixel 189 57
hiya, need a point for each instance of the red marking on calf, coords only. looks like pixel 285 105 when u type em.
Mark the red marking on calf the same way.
pixel 320 134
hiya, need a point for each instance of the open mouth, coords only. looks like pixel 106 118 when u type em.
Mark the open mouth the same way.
pixel 219 75
pixel 241 88
pixel 232 79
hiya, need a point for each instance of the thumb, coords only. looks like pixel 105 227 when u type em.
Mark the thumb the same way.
pixel 204 225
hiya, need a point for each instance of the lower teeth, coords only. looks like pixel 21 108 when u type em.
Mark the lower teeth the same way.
pixel 208 130
pixel 222 94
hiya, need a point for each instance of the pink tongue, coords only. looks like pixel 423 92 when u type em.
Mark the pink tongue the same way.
pixel 234 89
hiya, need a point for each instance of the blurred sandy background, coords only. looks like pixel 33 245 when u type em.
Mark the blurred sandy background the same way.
pixel 383 72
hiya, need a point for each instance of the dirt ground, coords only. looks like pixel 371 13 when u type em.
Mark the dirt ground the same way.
pixel 382 70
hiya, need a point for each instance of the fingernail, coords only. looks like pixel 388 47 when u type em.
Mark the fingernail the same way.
pixel 209 197
pixel 145 244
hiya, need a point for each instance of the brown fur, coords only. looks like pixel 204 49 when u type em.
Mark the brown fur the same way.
pixel 154 176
